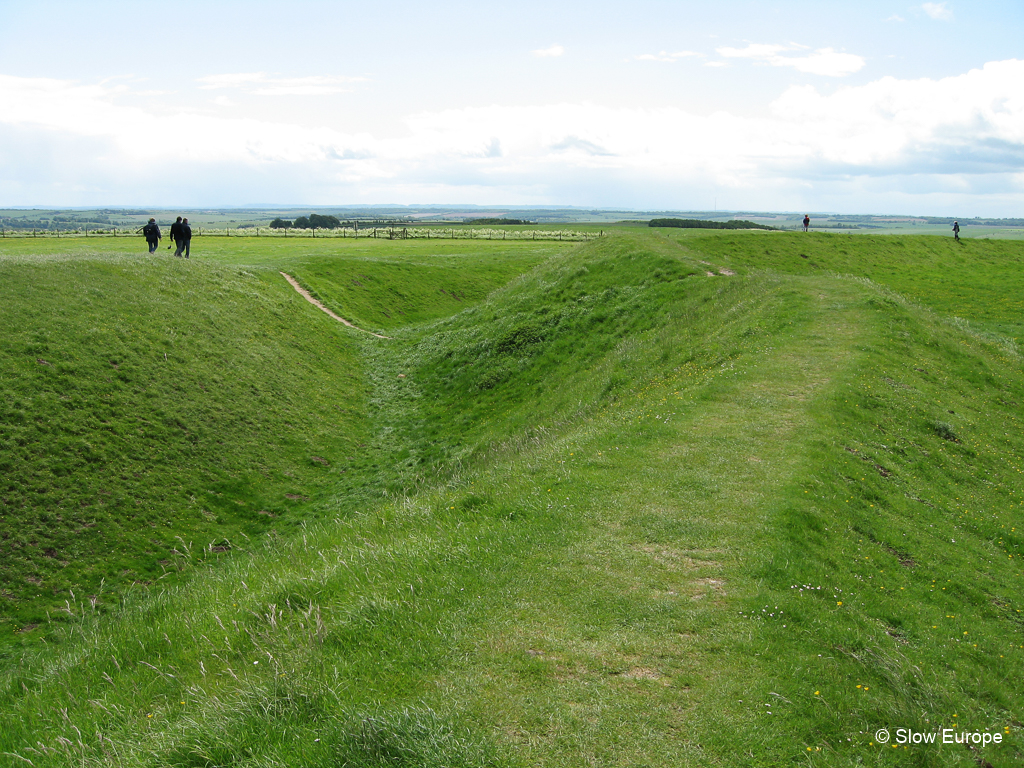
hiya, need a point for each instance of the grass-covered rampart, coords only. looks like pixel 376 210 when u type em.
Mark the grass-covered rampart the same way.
pixel 978 280
pixel 152 409
pixel 635 514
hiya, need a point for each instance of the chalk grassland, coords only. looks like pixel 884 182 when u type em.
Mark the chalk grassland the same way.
pixel 154 410
pixel 634 515
pixel 148 411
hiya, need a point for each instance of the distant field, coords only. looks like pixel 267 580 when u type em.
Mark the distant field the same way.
pixel 239 220
pixel 674 498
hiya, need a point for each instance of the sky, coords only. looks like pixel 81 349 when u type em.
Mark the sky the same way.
pixel 847 107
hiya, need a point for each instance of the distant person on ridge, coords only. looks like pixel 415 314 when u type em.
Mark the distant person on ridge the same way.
pixel 956 230
pixel 807 222
pixel 152 233
pixel 176 236
pixel 186 238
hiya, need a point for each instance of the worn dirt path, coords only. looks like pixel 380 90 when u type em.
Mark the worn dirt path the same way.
pixel 305 294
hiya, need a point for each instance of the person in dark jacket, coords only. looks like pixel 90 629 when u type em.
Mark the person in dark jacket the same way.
pixel 152 233
pixel 807 222
pixel 176 236
pixel 956 230
pixel 186 238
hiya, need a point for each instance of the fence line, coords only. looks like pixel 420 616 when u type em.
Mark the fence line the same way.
pixel 377 233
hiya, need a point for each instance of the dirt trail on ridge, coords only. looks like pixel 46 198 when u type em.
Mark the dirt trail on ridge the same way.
pixel 305 294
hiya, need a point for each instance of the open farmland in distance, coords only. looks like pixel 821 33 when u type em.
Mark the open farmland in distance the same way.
pixel 678 498
pixel 245 221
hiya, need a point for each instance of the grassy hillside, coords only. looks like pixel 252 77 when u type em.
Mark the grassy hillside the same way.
pixel 152 410
pixel 155 411
pixel 981 281
pixel 378 284
pixel 636 514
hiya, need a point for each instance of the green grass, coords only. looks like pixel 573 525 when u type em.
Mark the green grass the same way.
pixel 615 511
pixel 150 406
pixel 981 281
pixel 147 410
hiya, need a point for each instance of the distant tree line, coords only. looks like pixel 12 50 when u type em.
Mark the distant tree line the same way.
pixel 66 222
pixel 313 221
pixel 703 224
pixel 487 220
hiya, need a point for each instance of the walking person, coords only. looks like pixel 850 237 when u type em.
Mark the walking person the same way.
pixel 176 236
pixel 152 233
pixel 807 222
pixel 186 238
pixel 956 231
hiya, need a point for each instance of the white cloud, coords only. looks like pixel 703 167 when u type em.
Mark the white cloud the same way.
pixel 824 61
pixel 553 51
pixel 668 58
pixel 938 11
pixel 576 144
pixel 753 51
pixel 895 17
pixel 236 80
pixel 67 143
pixel 70 108
pixel 261 84
pixel 971 123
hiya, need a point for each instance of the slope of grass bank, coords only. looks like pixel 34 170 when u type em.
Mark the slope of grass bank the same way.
pixel 639 515
pixel 150 409
pixel 377 284
pixel 378 288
